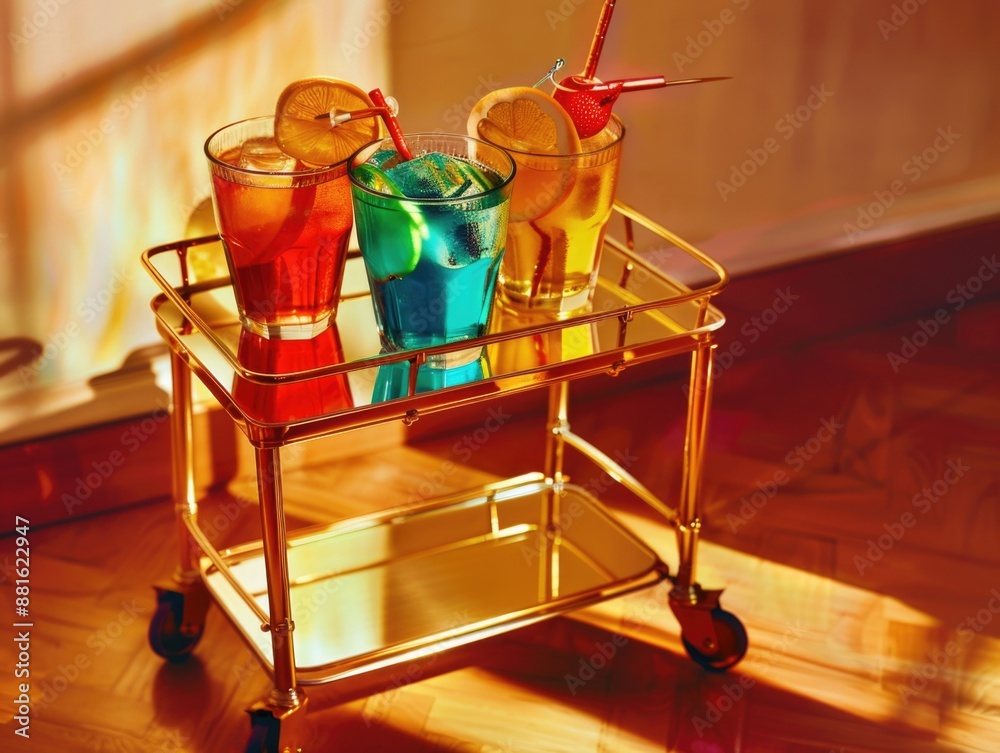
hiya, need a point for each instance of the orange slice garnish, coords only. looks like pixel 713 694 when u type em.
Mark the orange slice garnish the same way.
pixel 524 119
pixel 301 132
pixel 536 129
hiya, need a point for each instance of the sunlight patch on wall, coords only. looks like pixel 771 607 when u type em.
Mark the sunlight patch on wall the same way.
pixel 107 169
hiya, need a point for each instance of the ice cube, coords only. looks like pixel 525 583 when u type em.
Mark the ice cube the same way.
pixel 436 176
pixel 368 175
pixel 474 235
pixel 384 159
pixel 480 179
pixel 264 155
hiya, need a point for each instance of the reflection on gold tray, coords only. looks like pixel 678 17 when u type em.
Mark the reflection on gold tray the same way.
pixel 394 586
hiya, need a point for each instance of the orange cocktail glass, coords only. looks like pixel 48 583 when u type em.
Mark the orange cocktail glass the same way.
pixel 285 226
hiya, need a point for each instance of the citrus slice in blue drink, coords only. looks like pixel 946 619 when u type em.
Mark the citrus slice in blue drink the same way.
pixel 390 260
pixel 302 131
pixel 375 179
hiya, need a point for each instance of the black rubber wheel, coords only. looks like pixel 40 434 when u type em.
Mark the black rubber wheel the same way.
pixel 263 734
pixel 165 637
pixel 732 646
pixel 257 741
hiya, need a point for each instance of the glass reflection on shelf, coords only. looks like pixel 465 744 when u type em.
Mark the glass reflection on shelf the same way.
pixel 294 400
pixel 540 348
pixel 393 379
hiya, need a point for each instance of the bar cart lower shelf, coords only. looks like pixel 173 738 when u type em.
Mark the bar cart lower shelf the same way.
pixel 336 601
pixel 436 576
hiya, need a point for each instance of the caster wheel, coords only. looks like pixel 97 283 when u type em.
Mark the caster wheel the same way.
pixel 165 636
pixel 263 734
pixel 732 646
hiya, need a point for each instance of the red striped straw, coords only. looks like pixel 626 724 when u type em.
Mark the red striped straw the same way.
pixel 392 124
pixel 598 42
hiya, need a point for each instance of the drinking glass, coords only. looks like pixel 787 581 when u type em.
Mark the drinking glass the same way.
pixel 558 215
pixel 432 263
pixel 285 226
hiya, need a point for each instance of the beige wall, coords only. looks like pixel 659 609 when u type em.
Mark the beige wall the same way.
pixel 104 108
pixel 871 83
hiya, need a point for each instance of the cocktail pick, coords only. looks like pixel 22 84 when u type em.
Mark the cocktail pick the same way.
pixel 385 108
pixel 550 75
pixel 589 101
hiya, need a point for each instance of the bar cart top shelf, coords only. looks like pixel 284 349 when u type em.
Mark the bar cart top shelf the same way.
pixel 286 392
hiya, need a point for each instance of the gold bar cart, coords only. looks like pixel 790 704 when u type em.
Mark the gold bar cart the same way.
pixel 408 582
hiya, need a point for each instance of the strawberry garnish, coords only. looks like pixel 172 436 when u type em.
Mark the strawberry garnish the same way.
pixel 588 103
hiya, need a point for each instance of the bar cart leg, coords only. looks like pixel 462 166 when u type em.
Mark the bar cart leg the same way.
pixel 277 721
pixel 714 638
pixel 557 421
pixel 555 449
pixel 182 602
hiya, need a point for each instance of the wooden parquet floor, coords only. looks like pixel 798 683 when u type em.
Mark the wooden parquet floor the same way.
pixel 852 515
